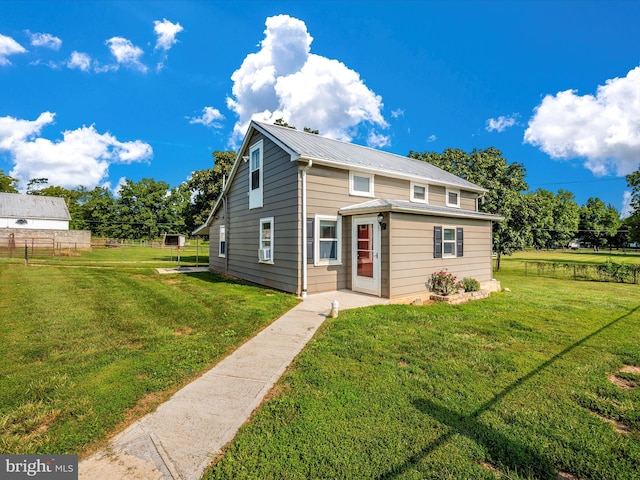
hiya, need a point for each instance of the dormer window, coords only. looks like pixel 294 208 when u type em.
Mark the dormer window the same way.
pixel 360 184
pixel 453 198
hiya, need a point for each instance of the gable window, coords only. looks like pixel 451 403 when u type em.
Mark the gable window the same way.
pixel 448 242
pixel 328 244
pixel 453 198
pixel 222 242
pixel 361 184
pixel 419 193
pixel 255 175
pixel 265 252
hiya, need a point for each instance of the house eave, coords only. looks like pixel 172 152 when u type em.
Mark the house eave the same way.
pixel 401 206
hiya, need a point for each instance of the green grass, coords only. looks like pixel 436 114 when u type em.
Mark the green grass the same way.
pixel 85 350
pixel 515 386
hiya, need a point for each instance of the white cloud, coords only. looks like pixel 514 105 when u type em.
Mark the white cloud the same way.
pixel 45 40
pixel 126 53
pixel 82 157
pixel 378 140
pixel 397 113
pixel 79 60
pixel 626 209
pixel 603 129
pixel 209 118
pixel 431 138
pixel 284 80
pixel 501 123
pixel 8 46
pixel 166 32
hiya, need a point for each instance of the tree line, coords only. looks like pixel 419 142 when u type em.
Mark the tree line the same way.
pixel 542 219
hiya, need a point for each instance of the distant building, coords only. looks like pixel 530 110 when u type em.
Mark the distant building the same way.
pixel 19 211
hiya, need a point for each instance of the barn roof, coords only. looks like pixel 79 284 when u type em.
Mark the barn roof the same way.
pixel 16 205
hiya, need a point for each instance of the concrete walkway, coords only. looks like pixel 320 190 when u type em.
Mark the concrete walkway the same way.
pixel 183 436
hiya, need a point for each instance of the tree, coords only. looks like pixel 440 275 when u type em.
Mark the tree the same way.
pixel 598 223
pixel 566 218
pixel 8 184
pixel 554 220
pixel 505 184
pixel 35 185
pixel 141 209
pixel 204 187
pixel 71 198
pixel 98 211
pixel 633 222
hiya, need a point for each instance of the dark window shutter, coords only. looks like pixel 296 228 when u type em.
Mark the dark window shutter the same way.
pixel 459 242
pixel 437 242
pixel 310 224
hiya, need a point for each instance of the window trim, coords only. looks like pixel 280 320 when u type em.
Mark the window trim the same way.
pixel 426 192
pixel 261 240
pixel 454 242
pixel 256 194
pixel 360 193
pixel 317 261
pixel 439 241
pixel 457 192
pixel 222 240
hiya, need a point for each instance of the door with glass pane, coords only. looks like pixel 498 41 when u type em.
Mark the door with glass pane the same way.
pixel 366 255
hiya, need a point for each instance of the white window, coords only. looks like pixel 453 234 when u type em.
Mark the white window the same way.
pixel 327 241
pixel 448 242
pixel 361 184
pixel 419 193
pixel 222 242
pixel 255 175
pixel 265 252
pixel 453 198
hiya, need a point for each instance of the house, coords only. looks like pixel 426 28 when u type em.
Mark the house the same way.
pixel 307 214
pixel 33 212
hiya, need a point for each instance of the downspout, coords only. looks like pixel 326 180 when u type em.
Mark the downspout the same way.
pixel 304 229
pixel 226 234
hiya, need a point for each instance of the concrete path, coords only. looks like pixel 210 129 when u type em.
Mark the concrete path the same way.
pixel 182 437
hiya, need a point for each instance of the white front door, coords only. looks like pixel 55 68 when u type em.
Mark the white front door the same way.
pixel 366 255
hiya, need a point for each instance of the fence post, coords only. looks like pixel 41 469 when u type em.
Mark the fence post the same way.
pixel 26 254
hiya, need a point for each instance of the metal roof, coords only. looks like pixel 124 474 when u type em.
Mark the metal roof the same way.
pixel 348 155
pixel 384 205
pixel 16 205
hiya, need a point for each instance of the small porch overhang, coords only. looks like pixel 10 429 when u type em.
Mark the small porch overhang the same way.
pixel 404 206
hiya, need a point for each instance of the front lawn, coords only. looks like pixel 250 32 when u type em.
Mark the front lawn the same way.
pixel 531 383
pixel 87 349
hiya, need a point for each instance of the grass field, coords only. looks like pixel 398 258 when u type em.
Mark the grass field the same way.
pixel 87 348
pixel 537 382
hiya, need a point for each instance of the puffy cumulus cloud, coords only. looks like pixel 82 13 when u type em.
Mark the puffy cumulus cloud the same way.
pixel 166 33
pixel 603 128
pixel 79 61
pixel 501 123
pixel 45 40
pixel 82 157
pixel 627 209
pixel 209 118
pixel 126 53
pixel 285 80
pixel 8 46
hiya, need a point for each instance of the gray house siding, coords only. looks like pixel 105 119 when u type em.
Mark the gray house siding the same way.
pixel 411 257
pixel 280 201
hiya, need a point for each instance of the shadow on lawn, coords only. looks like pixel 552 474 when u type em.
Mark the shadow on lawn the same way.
pixel 502 450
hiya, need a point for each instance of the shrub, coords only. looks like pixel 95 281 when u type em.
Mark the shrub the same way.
pixel 470 284
pixel 444 283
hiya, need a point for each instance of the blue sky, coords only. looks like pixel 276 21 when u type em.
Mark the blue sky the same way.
pixel 92 92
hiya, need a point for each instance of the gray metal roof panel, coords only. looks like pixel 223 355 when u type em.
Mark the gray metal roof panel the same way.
pixel 316 147
pixel 16 205
pixel 406 206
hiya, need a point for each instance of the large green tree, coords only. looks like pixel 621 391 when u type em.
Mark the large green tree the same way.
pixel 598 223
pixel 554 218
pixel 204 187
pixel 633 222
pixel 506 185
pixel 8 184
